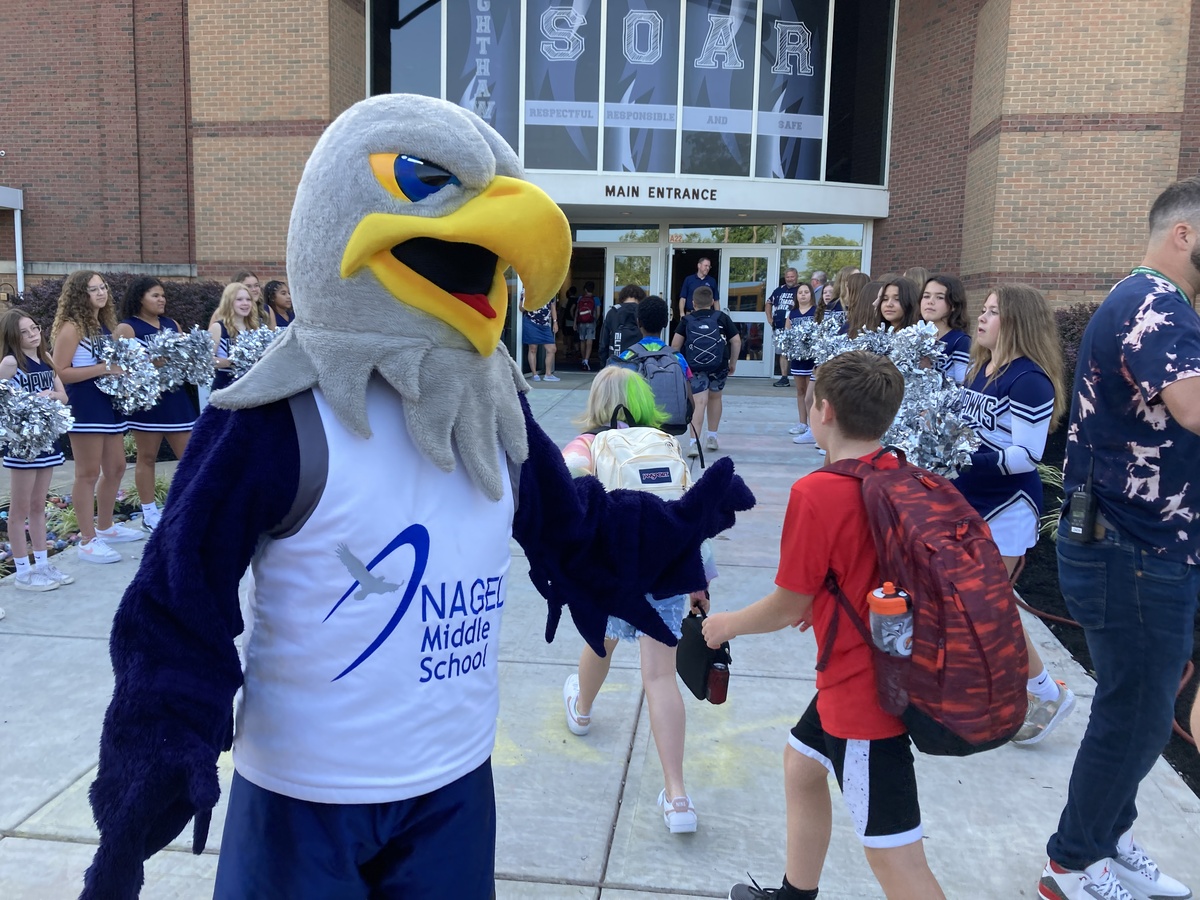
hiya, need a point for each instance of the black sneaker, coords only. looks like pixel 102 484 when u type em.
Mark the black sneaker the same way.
pixel 783 382
pixel 752 891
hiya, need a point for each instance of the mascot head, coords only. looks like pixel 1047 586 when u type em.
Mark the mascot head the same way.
pixel 415 208
pixel 407 217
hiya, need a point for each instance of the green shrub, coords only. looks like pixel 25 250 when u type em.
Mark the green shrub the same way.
pixel 188 302
pixel 1072 321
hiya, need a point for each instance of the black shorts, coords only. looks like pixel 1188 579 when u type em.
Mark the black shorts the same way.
pixel 876 778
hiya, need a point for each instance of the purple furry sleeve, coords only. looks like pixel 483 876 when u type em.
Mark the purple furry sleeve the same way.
pixel 174 660
pixel 600 553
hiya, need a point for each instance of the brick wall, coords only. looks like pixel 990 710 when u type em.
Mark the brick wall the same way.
pixel 83 86
pixel 931 114
pixel 266 79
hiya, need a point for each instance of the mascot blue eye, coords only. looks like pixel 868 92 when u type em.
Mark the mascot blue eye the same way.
pixel 409 178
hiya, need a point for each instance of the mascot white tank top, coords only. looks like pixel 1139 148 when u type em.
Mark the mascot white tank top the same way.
pixel 371 659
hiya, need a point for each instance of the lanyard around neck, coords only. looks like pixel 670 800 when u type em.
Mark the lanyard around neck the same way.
pixel 1146 270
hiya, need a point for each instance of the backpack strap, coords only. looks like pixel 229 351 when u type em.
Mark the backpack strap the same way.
pixel 314 463
pixel 844 604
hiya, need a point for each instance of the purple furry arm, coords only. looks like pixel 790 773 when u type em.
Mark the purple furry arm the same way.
pixel 600 553
pixel 174 660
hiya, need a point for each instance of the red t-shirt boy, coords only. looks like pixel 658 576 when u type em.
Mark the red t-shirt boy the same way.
pixel 843 731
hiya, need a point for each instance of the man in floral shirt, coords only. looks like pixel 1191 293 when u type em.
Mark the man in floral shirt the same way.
pixel 1132 579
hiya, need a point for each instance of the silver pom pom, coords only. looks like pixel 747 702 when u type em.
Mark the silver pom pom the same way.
pixel 138 387
pixel 249 348
pixel 182 358
pixel 930 427
pixel 31 425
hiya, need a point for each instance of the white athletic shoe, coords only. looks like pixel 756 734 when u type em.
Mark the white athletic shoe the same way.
pixel 34 580
pixel 1096 882
pixel 119 534
pixel 1140 875
pixel 576 724
pixel 96 551
pixel 805 437
pixel 551 378
pixel 52 571
pixel 679 814
pixel 798 428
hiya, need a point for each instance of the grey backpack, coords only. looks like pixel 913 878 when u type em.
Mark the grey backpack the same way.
pixel 667 380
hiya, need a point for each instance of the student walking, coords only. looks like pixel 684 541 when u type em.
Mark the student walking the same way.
pixel 174 415
pixel 711 344
pixel 84 318
pixel 843 732
pixel 25 361
pixel 615 387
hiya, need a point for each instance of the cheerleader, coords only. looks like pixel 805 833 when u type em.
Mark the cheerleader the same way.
pixel 235 313
pixel 174 414
pixel 25 361
pixel 944 305
pixel 279 303
pixel 898 305
pixel 1012 400
pixel 84 317
pixel 803 307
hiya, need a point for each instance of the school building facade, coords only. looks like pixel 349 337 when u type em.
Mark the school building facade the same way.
pixel 997 139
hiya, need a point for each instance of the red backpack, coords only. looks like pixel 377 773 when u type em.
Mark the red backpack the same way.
pixel 963 690
pixel 585 309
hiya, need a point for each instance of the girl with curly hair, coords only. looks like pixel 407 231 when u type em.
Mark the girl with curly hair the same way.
pixel 85 317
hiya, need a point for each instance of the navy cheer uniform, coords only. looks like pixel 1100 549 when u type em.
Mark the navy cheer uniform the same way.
pixel 224 377
pixel 1012 418
pixel 958 355
pixel 280 321
pixel 174 410
pixel 38 378
pixel 93 409
pixel 801 367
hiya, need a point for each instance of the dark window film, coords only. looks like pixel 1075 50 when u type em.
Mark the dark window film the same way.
pixel 859 91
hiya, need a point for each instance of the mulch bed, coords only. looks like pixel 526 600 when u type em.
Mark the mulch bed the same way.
pixel 1038 586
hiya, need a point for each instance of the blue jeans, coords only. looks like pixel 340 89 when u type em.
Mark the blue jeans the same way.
pixel 278 847
pixel 1137 611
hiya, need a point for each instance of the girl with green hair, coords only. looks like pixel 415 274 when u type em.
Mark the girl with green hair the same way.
pixel 614 387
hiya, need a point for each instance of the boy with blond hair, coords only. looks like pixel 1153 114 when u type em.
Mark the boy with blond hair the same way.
pixel 844 731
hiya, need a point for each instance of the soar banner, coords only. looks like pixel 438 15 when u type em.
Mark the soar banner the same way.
pixel 483 61
pixel 791 89
pixel 641 90
pixel 562 84
pixel 718 86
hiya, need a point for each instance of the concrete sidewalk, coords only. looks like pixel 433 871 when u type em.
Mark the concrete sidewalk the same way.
pixel 577 816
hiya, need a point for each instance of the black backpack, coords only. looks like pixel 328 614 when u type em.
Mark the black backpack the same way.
pixel 706 345
pixel 625 330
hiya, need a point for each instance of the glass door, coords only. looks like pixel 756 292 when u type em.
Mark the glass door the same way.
pixel 748 277
pixel 629 266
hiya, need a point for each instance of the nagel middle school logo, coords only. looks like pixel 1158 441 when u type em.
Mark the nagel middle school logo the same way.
pixel 365 583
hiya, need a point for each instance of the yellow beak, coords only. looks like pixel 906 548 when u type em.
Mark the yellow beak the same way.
pixel 512 219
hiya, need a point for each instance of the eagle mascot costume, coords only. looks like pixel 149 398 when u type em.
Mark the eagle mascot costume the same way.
pixel 401 456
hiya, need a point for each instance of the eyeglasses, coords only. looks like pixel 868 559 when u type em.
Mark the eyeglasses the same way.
pixel 98 289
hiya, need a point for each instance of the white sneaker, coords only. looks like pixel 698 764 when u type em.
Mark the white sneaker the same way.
pixel 679 814
pixel 34 580
pixel 1096 882
pixel 52 571
pixel 96 551
pixel 820 451
pixel 798 428
pixel 535 377
pixel 551 378
pixel 1043 716
pixel 693 449
pixel 576 724
pixel 151 519
pixel 119 534
pixel 711 443
pixel 804 437
pixel 1140 875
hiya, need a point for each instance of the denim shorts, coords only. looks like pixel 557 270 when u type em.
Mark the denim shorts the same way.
pixel 671 610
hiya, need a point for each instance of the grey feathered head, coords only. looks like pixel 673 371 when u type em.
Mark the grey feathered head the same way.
pixel 408 214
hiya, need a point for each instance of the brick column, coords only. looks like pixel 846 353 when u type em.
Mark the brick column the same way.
pixel 266 79
pixel 1076 120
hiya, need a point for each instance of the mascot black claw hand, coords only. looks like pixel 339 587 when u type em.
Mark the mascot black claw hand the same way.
pixel 402 457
